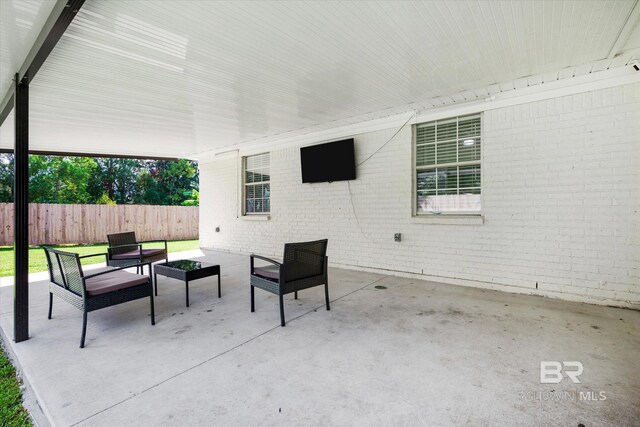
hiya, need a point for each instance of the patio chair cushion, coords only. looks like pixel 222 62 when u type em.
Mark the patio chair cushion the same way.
pixel 136 254
pixel 113 281
pixel 270 272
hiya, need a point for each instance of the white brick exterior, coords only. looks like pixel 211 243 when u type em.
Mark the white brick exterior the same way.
pixel 561 205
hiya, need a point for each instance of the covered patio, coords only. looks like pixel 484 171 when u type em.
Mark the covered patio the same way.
pixel 392 351
pixel 486 232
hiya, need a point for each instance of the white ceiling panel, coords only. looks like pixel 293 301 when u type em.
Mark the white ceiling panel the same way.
pixel 20 24
pixel 181 78
pixel 633 43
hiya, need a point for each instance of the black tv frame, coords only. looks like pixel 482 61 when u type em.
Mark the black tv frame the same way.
pixel 328 162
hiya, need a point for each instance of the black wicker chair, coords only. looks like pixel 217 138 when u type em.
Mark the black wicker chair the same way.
pixel 103 288
pixel 125 251
pixel 304 265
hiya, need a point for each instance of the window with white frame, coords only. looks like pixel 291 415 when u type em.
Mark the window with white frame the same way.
pixel 447 166
pixel 257 188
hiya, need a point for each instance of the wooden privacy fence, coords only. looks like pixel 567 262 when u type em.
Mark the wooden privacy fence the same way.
pixel 59 224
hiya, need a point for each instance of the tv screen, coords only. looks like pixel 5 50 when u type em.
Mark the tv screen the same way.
pixel 333 161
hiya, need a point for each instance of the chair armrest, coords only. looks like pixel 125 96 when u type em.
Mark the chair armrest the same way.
pixel 129 245
pixel 166 249
pixel 153 241
pixel 104 254
pixel 137 245
pixel 272 261
pixel 269 260
pixel 111 271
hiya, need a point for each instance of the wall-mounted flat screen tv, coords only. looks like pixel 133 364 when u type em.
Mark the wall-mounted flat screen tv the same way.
pixel 333 161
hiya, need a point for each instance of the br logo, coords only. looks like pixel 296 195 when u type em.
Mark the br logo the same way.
pixel 551 371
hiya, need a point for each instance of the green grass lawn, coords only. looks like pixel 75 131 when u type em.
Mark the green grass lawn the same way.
pixel 38 262
pixel 12 414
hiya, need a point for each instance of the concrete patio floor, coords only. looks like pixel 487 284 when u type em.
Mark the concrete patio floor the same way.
pixel 411 353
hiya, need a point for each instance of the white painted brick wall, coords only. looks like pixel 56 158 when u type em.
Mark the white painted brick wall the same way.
pixel 561 190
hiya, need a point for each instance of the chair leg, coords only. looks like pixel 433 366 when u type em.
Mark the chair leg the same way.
pixel 155 281
pixel 326 295
pixel 153 314
pixel 186 285
pixel 253 304
pixel 281 310
pixel 84 328
pixel 295 295
pixel 50 304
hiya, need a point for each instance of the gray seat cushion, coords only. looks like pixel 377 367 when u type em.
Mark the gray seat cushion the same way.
pixel 113 281
pixel 136 254
pixel 270 272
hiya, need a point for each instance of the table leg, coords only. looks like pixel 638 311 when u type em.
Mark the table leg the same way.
pixel 219 293
pixel 186 284
pixel 155 281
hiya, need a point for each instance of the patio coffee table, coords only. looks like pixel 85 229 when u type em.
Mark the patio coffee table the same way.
pixel 186 270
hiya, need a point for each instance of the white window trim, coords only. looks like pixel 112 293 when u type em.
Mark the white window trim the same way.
pixel 257 217
pixel 453 217
pixel 253 216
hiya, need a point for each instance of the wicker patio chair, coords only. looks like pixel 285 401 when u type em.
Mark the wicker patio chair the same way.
pixel 304 265
pixel 103 288
pixel 125 250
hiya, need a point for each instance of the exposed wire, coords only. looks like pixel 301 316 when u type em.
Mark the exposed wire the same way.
pixel 390 139
pixel 353 207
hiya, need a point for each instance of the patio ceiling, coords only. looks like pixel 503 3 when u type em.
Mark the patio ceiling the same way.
pixel 185 78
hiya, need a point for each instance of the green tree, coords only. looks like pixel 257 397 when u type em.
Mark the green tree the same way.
pixel 174 179
pixel 148 193
pixel 194 199
pixel 6 178
pixel 104 200
pixel 117 178
pixel 64 179
pixel 56 179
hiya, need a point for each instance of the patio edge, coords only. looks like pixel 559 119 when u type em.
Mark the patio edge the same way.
pixel 30 397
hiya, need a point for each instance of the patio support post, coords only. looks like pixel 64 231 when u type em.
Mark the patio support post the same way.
pixel 61 16
pixel 21 212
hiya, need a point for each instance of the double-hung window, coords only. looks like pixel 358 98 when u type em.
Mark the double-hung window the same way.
pixel 447 166
pixel 257 187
